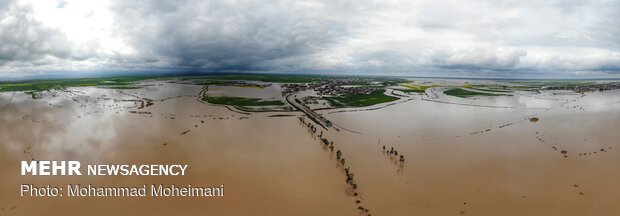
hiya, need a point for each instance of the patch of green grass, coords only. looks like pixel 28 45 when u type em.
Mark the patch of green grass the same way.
pixel 458 92
pixel 360 100
pixel 489 88
pixel 415 88
pixel 240 101
pixel 493 90
pixel 412 90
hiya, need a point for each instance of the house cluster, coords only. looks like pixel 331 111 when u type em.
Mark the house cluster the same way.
pixel 598 87
pixel 329 87
pixel 340 90
pixel 590 87
pixel 251 85
pixel 296 87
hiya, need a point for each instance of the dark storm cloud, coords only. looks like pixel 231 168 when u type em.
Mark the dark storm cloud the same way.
pixel 241 35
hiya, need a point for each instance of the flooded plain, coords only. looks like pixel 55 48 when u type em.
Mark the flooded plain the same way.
pixel 462 156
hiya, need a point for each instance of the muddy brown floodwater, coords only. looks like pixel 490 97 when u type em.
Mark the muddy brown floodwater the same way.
pixel 459 159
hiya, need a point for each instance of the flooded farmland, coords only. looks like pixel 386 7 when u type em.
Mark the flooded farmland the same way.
pixel 428 153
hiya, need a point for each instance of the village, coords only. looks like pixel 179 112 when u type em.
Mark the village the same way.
pixel 595 87
pixel 331 87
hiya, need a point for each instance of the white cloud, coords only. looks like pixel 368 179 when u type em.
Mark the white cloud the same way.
pixel 406 37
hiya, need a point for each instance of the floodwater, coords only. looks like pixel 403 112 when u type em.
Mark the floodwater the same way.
pixel 271 92
pixel 460 158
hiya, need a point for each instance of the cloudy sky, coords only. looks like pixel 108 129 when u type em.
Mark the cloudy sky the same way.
pixel 480 38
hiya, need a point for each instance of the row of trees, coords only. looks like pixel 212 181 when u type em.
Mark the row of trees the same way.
pixel 341 161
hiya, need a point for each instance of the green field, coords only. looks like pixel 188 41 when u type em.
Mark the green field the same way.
pixel 241 102
pixel 492 90
pixel 415 88
pixel 420 91
pixel 44 85
pixel 360 100
pixel 458 92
